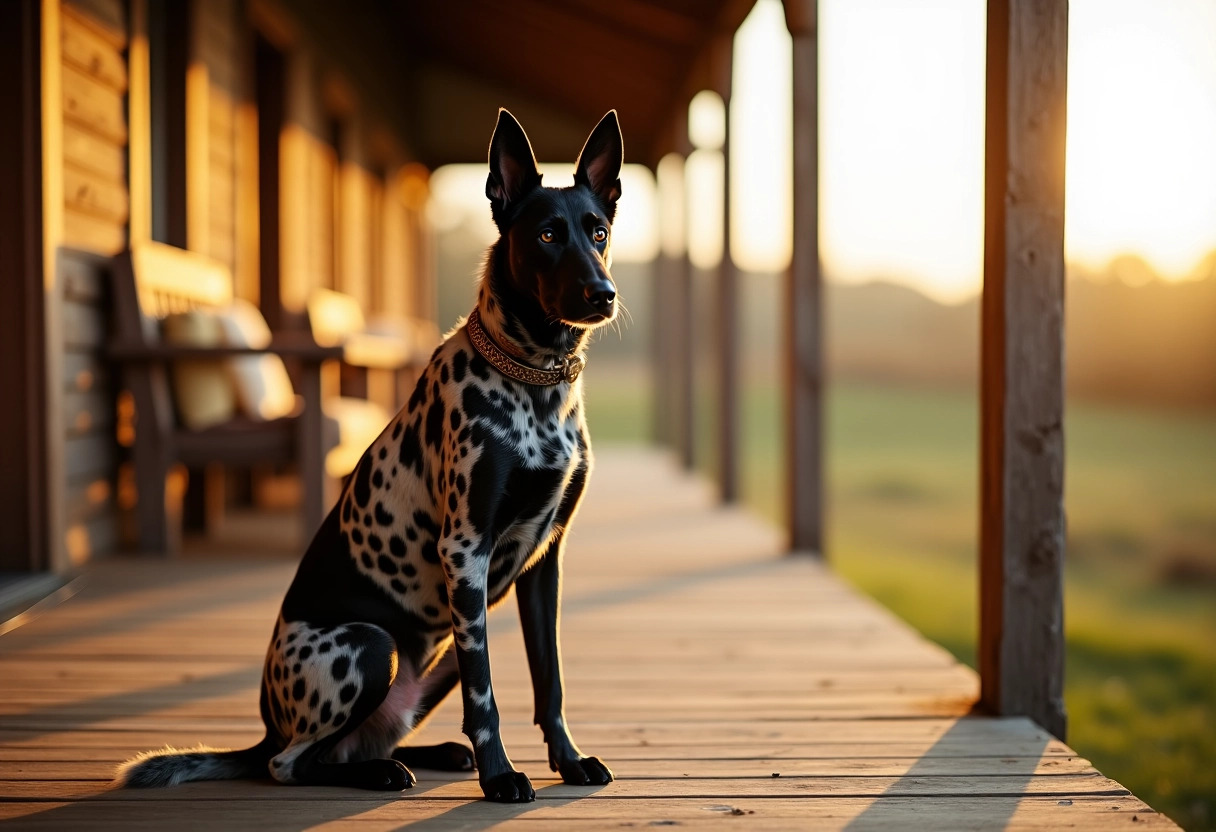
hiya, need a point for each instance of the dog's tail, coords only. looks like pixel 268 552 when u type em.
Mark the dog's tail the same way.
pixel 170 766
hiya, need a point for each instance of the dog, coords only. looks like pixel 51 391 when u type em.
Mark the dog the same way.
pixel 470 490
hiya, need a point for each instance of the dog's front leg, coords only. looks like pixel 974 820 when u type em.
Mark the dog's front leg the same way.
pixel 467 593
pixel 539 595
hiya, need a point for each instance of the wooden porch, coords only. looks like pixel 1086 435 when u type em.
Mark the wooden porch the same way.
pixel 725 684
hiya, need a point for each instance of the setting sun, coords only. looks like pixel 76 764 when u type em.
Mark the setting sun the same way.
pixel 901 152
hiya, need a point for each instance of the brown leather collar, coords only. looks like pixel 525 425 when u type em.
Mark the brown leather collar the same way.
pixel 568 370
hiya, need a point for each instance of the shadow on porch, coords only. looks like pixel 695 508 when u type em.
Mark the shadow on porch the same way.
pixel 716 677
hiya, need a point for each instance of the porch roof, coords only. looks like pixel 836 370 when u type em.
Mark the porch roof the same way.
pixel 439 68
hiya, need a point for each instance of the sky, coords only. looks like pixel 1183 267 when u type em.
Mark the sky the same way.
pixel 901 144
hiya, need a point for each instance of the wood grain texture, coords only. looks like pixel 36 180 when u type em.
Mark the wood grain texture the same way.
pixel 108 18
pixel 90 104
pixel 95 195
pixel 87 406
pixel 1021 643
pixel 89 51
pixel 88 151
pixel 700 664
pixel 87 232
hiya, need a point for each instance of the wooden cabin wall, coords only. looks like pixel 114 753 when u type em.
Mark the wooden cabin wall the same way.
pixel 358 193
pixel 357 226
pixel 221 141
pixel 419 289
pixel 392 290
pixel 307 186
pixel 94 77
pixel 95 211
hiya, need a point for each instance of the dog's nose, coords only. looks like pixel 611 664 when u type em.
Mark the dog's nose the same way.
pixel 601 296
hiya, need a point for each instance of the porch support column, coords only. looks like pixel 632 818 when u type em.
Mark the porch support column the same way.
pixel 661 370
pixel 675 320
pixel 728 304
pixel 803 307
pixel 30 541
pixel 662 300
pixel 1021 639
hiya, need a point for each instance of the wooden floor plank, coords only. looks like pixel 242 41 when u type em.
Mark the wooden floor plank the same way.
pixel 723 682
pixel 744 813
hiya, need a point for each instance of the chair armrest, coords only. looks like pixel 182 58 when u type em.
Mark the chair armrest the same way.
pixel 302 348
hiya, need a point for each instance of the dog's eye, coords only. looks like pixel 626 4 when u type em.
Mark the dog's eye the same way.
pixel 600 235
pixel 547 236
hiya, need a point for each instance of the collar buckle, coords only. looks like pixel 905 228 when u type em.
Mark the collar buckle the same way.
pixel 572 366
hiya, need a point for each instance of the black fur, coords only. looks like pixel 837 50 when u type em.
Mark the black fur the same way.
pixel 469 491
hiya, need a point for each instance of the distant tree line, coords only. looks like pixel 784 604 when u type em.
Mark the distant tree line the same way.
pixel 1131 337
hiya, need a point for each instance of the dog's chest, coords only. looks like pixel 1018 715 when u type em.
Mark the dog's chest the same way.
pixel 549 452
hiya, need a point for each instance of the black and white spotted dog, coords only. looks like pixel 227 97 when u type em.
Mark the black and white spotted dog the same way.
pixel 470 490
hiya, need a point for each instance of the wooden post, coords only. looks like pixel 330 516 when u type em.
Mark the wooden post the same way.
pixel 803 307
pixel 668 323
pixel 728 308
pixel 270 97
pixel 685 361
pixel 683 364
pixel 662 369
pixel 1021 641
pixel 25 429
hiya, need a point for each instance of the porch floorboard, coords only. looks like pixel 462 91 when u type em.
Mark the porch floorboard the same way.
pixel 726 686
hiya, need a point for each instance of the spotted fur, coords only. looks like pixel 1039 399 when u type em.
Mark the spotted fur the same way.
pixel 469 491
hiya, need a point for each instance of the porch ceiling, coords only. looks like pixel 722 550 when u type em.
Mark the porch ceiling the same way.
pixel 564 63
pixel 557 64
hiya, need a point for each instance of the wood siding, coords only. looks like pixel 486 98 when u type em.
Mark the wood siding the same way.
pixel 96 209
pixel 87 414
pixel 306 187
pixel 355 226
pixel 212 94
pixel 94 77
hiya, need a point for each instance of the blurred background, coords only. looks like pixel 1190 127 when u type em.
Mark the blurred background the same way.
pixel 331 166
pixel 901 161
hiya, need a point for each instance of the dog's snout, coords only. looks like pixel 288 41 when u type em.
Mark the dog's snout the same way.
pixel 601 295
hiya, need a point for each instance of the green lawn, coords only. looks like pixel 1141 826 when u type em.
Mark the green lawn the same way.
pixel 1140 607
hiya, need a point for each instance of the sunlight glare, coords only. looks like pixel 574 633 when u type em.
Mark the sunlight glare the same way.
pixel 458 202
pixel 670 188
pixel 1142 132
pixel 761 145
pixel 707 121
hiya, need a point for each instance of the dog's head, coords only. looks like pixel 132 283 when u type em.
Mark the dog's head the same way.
pixel 558 239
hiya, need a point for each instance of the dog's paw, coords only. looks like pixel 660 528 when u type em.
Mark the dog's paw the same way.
pixel 447 756
pixel 381 775
pixel 511 787
pixel 585 771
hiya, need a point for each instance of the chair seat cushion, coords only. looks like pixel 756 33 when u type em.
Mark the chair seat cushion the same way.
pixel 263 388
pixel 202 389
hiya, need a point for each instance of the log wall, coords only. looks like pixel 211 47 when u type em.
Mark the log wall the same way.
pixel 96 204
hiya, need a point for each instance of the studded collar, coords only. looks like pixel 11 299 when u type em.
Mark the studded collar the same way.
pixel 568 369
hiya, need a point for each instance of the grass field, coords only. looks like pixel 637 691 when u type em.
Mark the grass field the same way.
pixel 1140 610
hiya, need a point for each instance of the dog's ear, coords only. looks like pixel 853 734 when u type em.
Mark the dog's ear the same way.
pixel 513 171
pixel 599 163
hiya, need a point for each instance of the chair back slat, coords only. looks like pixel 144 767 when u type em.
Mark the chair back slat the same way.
pixel 153 280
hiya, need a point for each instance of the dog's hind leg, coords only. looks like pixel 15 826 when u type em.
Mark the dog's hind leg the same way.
pixel 328 681
pixel 446 756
